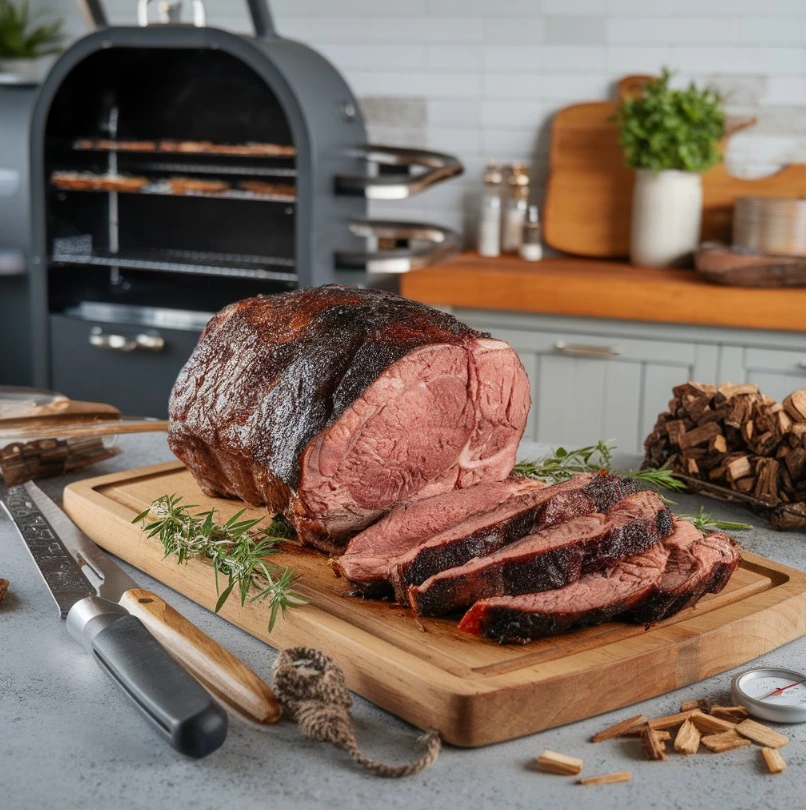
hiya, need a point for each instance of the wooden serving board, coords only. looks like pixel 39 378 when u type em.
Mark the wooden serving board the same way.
pixel 425 671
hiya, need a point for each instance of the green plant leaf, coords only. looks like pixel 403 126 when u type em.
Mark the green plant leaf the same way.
pixel 667 128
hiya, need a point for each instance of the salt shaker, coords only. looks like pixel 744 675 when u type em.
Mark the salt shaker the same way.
pixel 531 247
pixel 489 238
pixel 515 214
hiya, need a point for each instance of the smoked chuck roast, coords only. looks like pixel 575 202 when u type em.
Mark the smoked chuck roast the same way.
pixel 333 404
pixel 550 559
pixel 593 599
pixel 697 565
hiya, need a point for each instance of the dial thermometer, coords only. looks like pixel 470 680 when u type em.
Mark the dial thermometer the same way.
pixel 777 695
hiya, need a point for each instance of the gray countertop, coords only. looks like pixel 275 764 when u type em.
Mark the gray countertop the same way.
pixel 68 739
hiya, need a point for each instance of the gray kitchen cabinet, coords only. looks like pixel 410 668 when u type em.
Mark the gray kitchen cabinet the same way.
pixel 593 379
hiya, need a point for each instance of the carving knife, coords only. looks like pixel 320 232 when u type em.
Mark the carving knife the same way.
pixel 109 614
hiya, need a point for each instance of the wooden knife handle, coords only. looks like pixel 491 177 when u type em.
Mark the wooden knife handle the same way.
pixel 216 668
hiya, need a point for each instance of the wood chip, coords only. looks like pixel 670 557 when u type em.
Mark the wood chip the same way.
pixel 711 725
pixel 693 705
pixel 606 778
pixel 4 583
pixel 664 736
pixel 672 720
pixel 726 741
pixel 619 729
pixel 775 762
pixel 687 740
pixel 654 746
pixel 761 734
pixel 733 714
pixel 699 435
pixel 795 405
pixel 552 762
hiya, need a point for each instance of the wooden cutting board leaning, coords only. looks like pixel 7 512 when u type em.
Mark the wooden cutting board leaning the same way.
pixel 425 671
pixel 589 193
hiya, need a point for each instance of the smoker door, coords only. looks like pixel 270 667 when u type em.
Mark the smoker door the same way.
pixel 99 363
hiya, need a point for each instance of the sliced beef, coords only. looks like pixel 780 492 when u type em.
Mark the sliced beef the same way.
pixel 487 532
pixel 365 561
pixel 697 565
pixel 593 599
pixel 550 559
pixel 334 404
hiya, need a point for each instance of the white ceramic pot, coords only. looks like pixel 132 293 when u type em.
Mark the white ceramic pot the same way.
pixel 666 217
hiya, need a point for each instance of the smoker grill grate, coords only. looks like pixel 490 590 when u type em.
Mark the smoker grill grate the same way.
pixel 170 147
pixel 171 187
pixel 234 265
pixel 204 168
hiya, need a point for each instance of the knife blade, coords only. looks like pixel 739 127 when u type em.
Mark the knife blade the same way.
pixel 175 704
pixel 216 668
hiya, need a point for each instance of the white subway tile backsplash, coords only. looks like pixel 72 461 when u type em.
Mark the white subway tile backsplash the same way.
pixel 630 59
pixel 455 139
pixel 575 29
pixel 564 87
pixel 641 30
pixel 369 55
pixel 575 6
pixel 383 29
pixel 704 8
pixel 543 58
pixel 428 85
pixel 455 57
pixel 771 30
pixel 443 112
pixel 740 60
pixel 484 7
pixel 513 30
pixel 785 90
pixel 518 114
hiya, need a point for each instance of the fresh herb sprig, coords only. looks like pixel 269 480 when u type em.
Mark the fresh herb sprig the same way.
pixel 707 523
pixel 561 464
pixel 236 548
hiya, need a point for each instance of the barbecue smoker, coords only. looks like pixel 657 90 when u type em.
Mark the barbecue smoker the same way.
pixel 176 168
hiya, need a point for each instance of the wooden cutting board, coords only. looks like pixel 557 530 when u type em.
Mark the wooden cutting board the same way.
pixel 425 671
pixel 588 203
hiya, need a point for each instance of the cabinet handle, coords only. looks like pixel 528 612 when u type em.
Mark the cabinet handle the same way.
pixel 121 343
pixel 585 350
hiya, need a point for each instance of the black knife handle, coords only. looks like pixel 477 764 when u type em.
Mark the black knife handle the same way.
pixel 175 704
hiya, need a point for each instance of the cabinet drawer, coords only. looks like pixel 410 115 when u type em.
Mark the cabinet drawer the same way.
pixel 609 348
pixel 138 382
pixel 787 362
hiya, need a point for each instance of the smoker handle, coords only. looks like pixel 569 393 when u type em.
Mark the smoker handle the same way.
pixel 443 243
pixel 587 350
pixel 261 19
pixel 437 167
pixel 93 13
pixel 120 343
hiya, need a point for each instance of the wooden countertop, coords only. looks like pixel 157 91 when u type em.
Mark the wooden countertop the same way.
pixel 603 289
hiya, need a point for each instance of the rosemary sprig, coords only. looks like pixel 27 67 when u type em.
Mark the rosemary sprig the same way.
pixel 237 549
pixel 561 464
pixel 706 523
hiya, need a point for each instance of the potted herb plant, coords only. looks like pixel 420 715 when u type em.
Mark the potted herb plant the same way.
pixel 669 136
pixel 25 40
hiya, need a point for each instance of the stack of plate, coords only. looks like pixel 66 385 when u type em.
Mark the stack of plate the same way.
pixel 770 225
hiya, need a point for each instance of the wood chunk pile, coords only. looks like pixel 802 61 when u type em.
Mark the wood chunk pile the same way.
pixel 741 444
pixel 718 729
